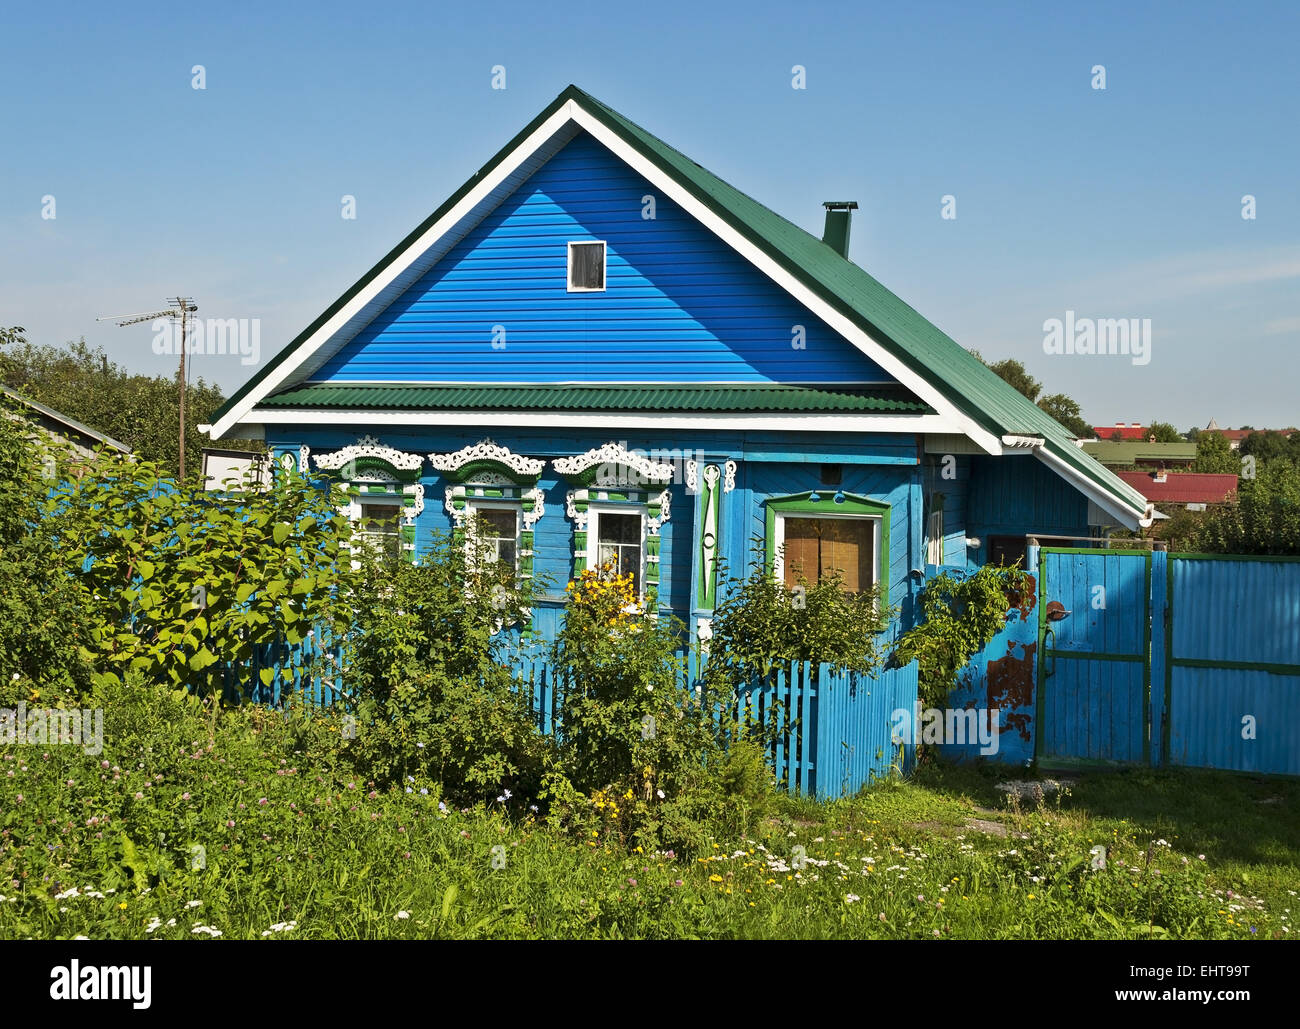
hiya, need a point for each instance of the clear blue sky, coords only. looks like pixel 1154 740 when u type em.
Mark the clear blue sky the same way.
pixel 1122 203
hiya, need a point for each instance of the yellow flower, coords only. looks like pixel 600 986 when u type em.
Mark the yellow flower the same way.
pixel 122 906
pixel 715 878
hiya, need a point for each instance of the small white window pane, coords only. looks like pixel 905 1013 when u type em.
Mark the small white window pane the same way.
pixel 381 526
pixel 500 539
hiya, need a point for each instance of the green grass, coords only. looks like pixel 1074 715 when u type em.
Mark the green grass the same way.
pixel 294 844
pixel 902 860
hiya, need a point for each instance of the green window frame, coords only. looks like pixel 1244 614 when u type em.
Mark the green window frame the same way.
pixel 823 504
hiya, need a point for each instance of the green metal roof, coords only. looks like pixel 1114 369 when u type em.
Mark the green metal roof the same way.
pixel 710 399
pixel 1126 452
pixel 966 382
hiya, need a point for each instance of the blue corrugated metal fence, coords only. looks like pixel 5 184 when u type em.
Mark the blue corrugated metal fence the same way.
pixel 1170 659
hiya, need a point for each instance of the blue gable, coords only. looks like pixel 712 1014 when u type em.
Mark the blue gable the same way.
pixel 680 306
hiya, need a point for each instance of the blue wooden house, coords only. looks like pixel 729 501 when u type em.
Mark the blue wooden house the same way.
pixel 609 354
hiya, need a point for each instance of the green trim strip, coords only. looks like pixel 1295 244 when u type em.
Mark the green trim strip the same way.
pixel 1040 707
pixel 1096 550
pixel 1239 666
pixel 712 399
pixel 1089 655
pixel 1184 556
pixel 1146 663
pixel 1166 727
pixel 854 505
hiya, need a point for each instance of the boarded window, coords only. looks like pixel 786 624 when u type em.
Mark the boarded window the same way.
pixel 586 266
pixel 817 548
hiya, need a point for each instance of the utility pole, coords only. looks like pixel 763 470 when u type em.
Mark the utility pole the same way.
pixel 182 304
pixel 182 308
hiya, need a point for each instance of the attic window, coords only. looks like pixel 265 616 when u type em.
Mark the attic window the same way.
pixel 586 267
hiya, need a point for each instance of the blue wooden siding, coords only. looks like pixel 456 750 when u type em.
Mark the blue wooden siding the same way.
pixel 1018 495
pixel 680 305
pixel 954 493
pixel 760 482
pixel 879 466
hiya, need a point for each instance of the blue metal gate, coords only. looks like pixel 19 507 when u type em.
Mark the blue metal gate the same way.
pixel 1094 655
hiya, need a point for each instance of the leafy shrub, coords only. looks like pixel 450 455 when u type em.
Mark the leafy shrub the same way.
pixel 759 622
pixel 959 616
pixel 638 747
pixel 44 627
pixel 434 699
pixel 179 582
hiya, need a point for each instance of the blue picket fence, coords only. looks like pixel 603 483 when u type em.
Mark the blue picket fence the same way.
pixel 833 729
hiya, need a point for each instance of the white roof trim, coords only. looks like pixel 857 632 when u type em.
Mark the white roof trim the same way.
pixel 411 264
pixel 842 325
pixel 1092 491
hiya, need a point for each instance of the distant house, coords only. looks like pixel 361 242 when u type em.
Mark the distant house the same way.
pixel 1196 490
pixel 1236 437
pixel 1126 454
pixel 50 427
pixel 611 356
pixel 1131 431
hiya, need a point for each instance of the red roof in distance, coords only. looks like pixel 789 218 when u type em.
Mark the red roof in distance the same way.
pixel 1183 487
pixel 1133 430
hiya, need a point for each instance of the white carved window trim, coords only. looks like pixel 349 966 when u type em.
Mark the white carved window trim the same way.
pixel 488 450
pixel 612 454
pixel 395 489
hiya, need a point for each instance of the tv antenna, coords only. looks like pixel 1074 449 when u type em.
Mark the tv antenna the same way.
pixel 182 308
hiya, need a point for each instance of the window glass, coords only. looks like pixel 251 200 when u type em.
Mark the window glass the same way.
pixel 587 265
pixel 381 525
pixel 618 542
pixel 500 534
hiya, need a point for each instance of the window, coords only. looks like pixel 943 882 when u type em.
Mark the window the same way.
pixel 934 542
pixel 817 548
pixel 618 540
pixel 380 525
pixel 586 267
pixel 499 537
pixel 817 535
pixel 832 474
pixel 1007 550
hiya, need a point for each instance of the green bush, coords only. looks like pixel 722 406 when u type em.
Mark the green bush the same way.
pixel 759 623
pixel 959 616
pixel 639 748
pixel 433 697
pixel 45 628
